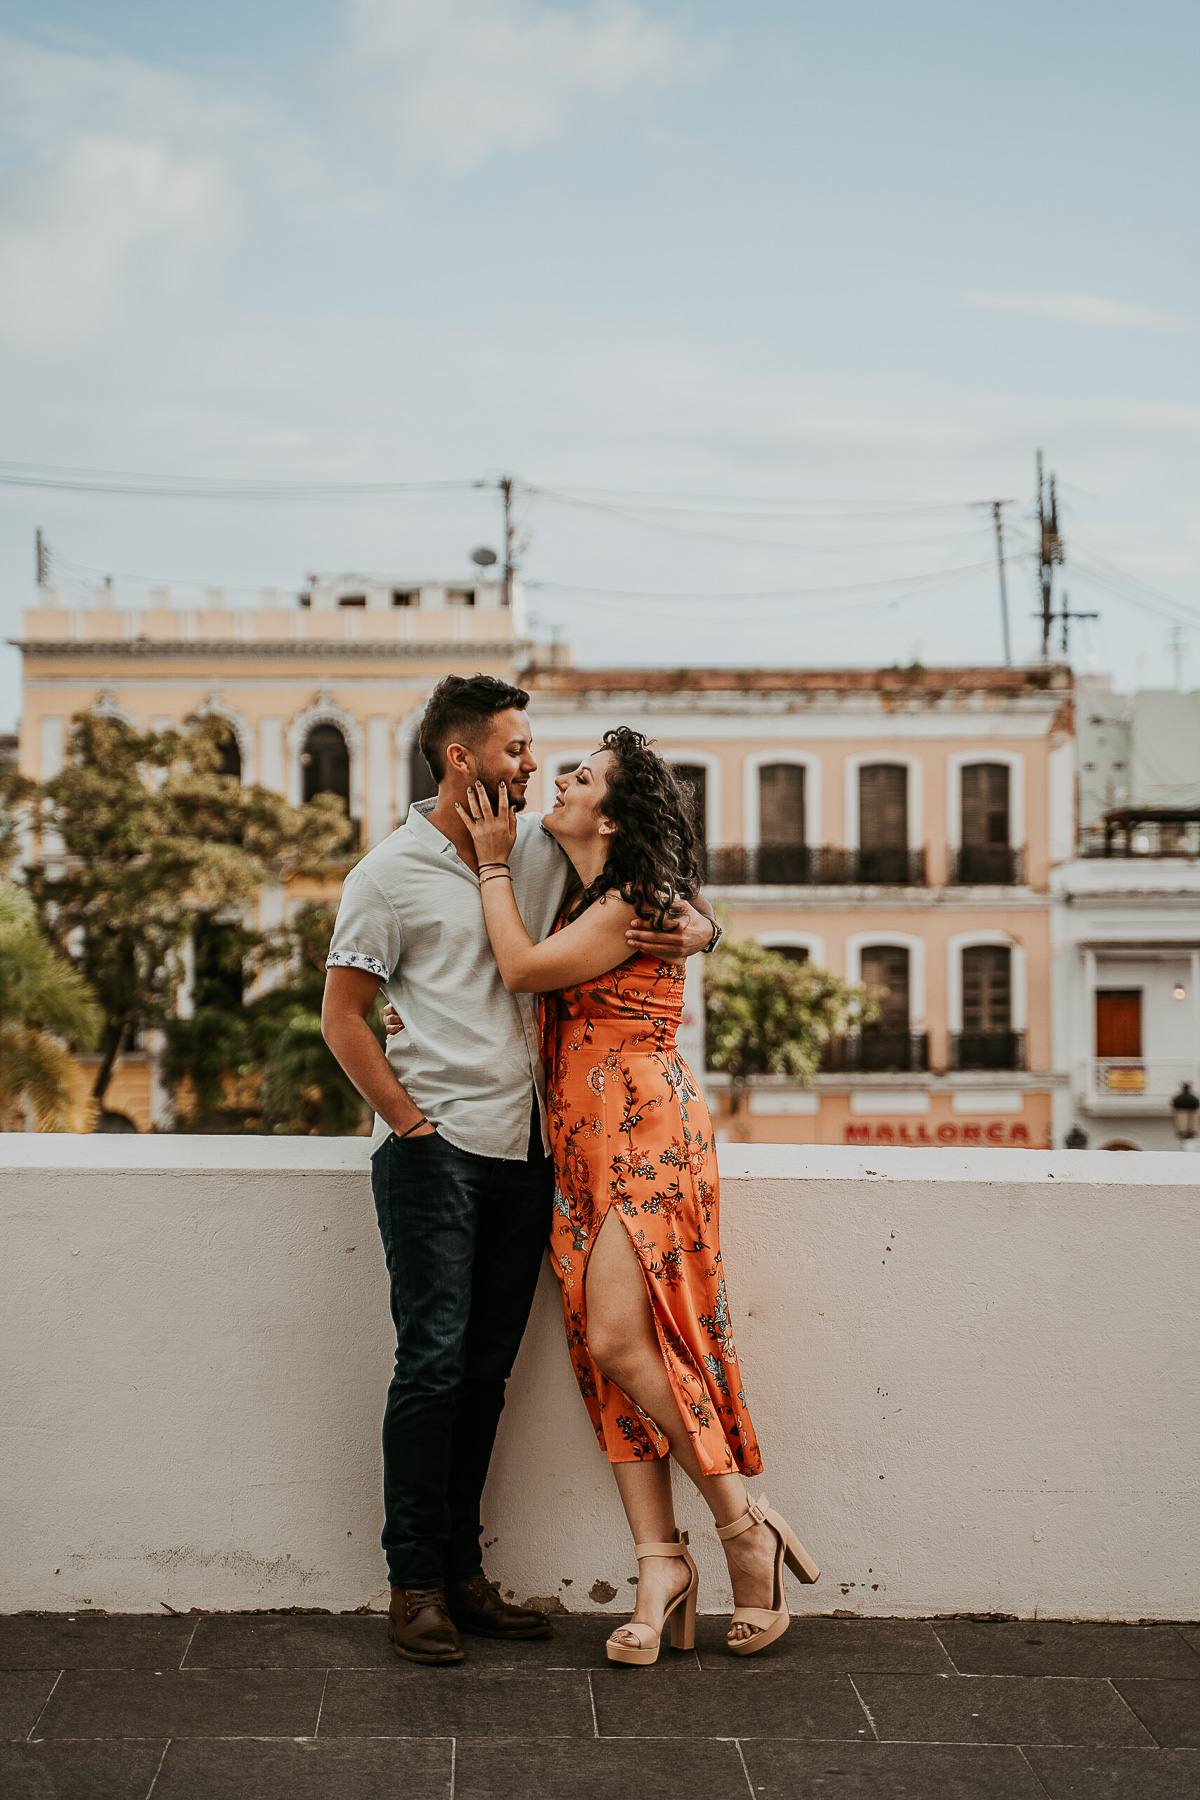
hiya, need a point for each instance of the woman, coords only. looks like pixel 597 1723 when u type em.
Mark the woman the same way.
pixel 634 1238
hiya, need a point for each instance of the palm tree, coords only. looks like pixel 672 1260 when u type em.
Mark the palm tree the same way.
pixel 44 1004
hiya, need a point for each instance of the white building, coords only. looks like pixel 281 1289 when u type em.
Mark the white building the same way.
pixel 1127 922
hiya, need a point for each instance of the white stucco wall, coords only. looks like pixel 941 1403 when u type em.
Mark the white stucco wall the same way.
pixel 974 1375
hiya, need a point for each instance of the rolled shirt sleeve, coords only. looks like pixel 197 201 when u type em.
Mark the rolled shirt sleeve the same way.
pixel 366 933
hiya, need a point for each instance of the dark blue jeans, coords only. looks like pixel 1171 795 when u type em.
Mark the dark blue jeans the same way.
pixel 463 1236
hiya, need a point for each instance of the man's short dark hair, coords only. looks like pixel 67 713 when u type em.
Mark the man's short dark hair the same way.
pixel 460 711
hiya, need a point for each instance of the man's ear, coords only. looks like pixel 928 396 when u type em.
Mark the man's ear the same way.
pixel 461 760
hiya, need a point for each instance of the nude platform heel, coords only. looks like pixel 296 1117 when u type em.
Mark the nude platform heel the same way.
pixel 680 1615
pixel 772 1622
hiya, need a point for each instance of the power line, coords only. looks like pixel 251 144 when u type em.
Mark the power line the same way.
pixel 739 503
pixel 793 593
pixel 201 487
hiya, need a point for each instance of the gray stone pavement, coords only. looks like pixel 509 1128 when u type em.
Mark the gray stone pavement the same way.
pixel 282 1706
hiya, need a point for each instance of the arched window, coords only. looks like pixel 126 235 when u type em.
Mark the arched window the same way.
pixel 793 953
pixel 325 762
pixel 231 755
pixel 421 785
pixel 781 833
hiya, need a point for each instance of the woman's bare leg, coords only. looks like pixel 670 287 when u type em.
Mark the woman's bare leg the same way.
pixel 624 1343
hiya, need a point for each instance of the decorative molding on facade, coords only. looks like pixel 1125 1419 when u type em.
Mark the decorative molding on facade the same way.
pixel 106 706
pixel 248 650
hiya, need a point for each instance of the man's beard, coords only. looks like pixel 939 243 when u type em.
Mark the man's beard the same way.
pixel 516 802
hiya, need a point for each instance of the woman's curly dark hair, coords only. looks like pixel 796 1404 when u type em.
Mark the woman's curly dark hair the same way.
pixel 654 856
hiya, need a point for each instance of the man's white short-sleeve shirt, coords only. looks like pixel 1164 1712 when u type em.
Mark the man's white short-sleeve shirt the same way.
pixel 469 1054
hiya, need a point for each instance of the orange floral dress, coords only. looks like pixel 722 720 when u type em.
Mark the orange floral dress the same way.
pixel 631 1134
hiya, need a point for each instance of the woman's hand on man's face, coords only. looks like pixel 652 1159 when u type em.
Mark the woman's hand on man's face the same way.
pixel 493 834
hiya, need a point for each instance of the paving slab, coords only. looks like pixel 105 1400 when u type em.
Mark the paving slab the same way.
pixel 416 1701
pixel 998 1709
pixel 631 1702
pixel 1072 1774
pixel 599 1769
pixel 1031 1647
pixel 340 1769
pixel 833 1646
pixel 184 1703
pixel 79 1771
pixel 23 1694
pixel 290 1641
pixel 779 1770
pixel 91 1641
pixel 1170 1710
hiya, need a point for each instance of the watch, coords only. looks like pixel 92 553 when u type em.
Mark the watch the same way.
pixel 714 940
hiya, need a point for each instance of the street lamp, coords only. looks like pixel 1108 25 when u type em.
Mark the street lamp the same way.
pixel 1184 1108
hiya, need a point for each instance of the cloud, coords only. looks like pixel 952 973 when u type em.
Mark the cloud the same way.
pixel 71 235
pixel 450 82
pixel 122 182
pixel 1081 309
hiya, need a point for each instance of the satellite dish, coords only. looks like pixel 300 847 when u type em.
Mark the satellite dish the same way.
pixel 483 556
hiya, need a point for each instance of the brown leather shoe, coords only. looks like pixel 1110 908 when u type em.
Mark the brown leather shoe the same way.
pixel 420 1626
pixel 475 1605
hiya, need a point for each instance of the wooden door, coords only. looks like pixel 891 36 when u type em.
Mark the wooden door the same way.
pixel 987 988
pixel 693 779
pixel 883 806
pixel 985 805
pixel 1119 1022
pixel 781 804
pixel 885 977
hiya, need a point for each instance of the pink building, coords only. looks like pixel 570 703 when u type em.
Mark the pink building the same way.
pixel 897 826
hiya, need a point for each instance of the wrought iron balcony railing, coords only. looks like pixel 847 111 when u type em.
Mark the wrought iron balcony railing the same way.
pixel 987 865
pixel 987 1050
pixel 813 865
pixel 872 1052
pixel 1143 837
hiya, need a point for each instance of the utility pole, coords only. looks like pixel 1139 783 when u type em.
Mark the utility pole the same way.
pixel 1065 617
pixel 43 559
pixel 1175 645
pixel 997 515
pixel 506 489
pixel 1050 551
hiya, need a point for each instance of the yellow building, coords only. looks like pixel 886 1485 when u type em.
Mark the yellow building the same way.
pixel 321 697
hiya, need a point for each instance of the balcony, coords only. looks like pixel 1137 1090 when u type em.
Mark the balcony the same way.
pixel 813 865
pixel 987 1050
pixel 1136 1083
pixel 1133 831
pixel 872 1052
pixel 987 865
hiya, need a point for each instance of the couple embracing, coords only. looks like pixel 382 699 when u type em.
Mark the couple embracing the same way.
pixel 504 1124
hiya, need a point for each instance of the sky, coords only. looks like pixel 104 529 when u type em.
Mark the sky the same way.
pixel 758 303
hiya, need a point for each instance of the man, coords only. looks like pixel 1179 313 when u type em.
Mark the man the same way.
pixel 462 1176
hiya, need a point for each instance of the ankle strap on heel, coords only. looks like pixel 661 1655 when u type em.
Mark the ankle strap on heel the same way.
pixel 755 1514
pixel 678 1548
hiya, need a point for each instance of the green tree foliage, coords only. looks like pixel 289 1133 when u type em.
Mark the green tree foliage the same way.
pixel 141 834
pixel 45 1006
pixel 263 1065
pixel 767 1015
